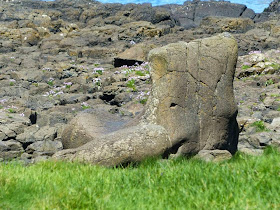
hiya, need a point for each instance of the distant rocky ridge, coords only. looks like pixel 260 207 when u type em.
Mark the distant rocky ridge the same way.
pixel 57 60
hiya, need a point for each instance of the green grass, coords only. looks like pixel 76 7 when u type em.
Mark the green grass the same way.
pixel 242 183
pixel 131 84
pixel 10 110
pixel 260 126
pixel 275 95
pixel 244 67
pixel 50 83
pixel 275 66
pixel 140 73
pixel 143 101
pixel 269 82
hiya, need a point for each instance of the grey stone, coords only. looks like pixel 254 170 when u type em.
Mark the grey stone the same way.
pixel 14 145
pixel 40 159
pixel 10 155
pixel 131 144
pixel 3 146
pixel 46 146
pixel 213 155
pixel 91 125
pixel 276 122
pixel 3 136
pixel 192 94
pixel 10 150
pixel 251 151
pixel 35 133
pixel 8 132
pixel 191 13
pixel 28 135
pixel 45 133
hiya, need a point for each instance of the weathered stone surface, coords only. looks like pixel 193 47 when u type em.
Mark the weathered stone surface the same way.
pixel 90 126
pixel 190 14
pixel 222 24
pixel 137 53
pixel 46 146
pixel 276 123
pixel 10 149
pixel 213 155
pixel 253 152
pixel 123 146
pixel 34 133
pixel 192 94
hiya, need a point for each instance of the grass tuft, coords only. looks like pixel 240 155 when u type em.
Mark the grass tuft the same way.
pixel 260 126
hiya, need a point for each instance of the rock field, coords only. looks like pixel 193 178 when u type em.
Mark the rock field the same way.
pixel 61 58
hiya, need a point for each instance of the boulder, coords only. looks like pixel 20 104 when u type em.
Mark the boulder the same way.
pixel 10 150
pixel 47 147
pixel 133 55
pixel 192 94
pixel 191 108
pixel 127 145
pixel 214 155
pixel 34 133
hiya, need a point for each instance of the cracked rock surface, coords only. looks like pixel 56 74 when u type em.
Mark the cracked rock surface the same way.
pixel 192 93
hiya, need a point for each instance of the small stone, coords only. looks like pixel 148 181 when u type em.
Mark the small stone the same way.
pixel 276 122
pixel 14 145
pixel 213 155
pixel 46 146
pixel 3 146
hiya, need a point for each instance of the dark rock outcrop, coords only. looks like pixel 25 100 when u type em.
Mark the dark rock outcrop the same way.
pixel 274 6
pixel 191 13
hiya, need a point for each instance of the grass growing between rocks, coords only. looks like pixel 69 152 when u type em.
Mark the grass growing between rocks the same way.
pixel 242 183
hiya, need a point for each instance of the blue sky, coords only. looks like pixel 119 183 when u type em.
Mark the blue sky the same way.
pixel 257 5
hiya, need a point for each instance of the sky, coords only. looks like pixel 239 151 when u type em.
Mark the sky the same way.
pixel 257 5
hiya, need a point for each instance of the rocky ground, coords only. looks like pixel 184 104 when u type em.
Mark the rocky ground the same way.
pixel 61 58
pixel 257 92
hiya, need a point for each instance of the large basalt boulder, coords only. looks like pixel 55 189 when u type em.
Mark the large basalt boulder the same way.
pixel 191 108
pixel 192 94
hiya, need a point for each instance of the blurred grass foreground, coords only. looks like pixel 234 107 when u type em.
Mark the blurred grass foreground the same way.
pixel 245 182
